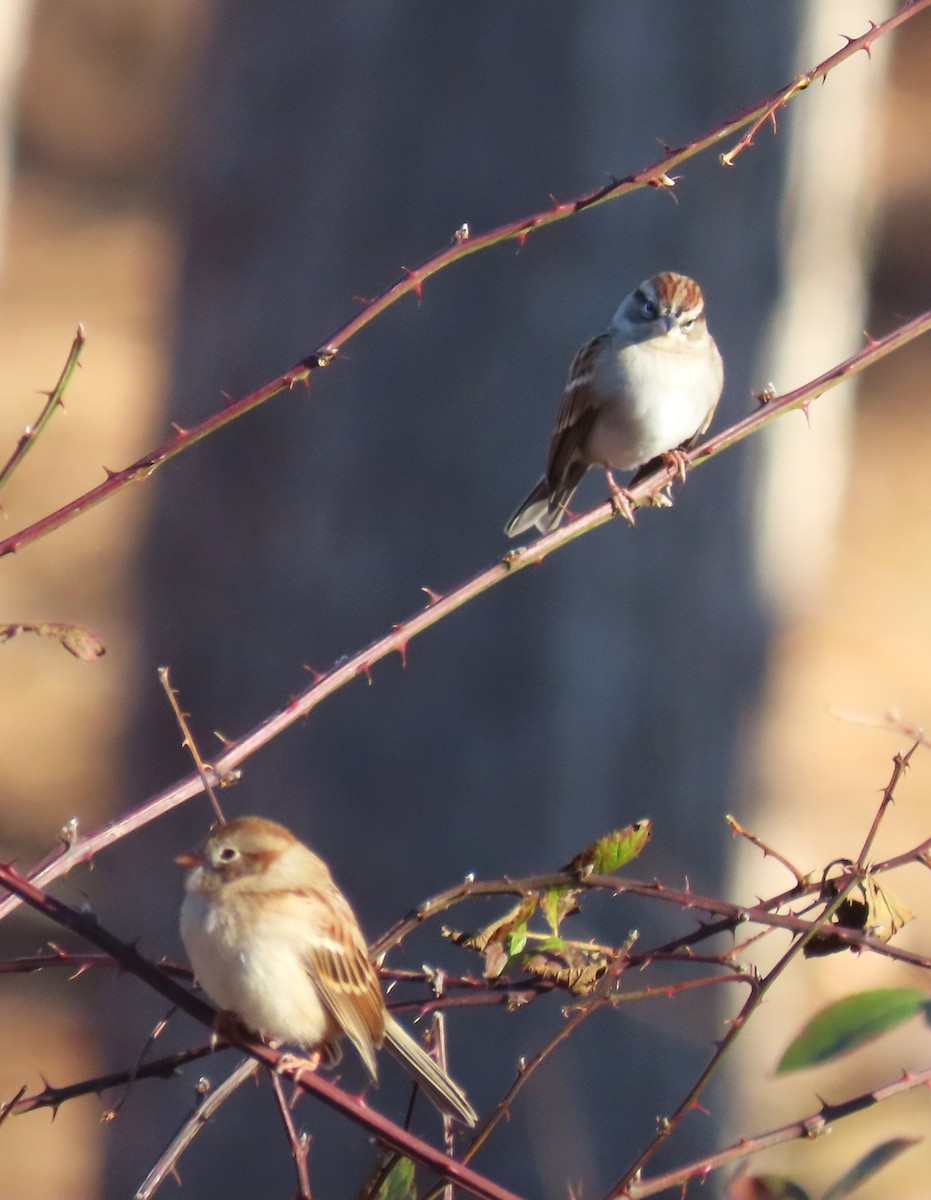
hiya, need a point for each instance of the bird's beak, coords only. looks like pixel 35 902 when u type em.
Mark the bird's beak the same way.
pixel 668 323
pixel 192 858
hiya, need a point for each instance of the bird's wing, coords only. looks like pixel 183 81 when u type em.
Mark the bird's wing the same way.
pixel 338 964
pixel 577 412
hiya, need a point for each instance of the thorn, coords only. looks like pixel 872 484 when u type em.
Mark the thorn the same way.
pixel 228 400
pixel 294 377
pixel 362 299
pixel 402 648
pixel 805 406
pixel 110 474
pixel 292 704
pixel 433 597
pixel 554 202
pixel 222 738
pixel 700 1108
pixel 521 236
pixel 179 429
pixel 366 670
pixel 415 281
pixel 315 675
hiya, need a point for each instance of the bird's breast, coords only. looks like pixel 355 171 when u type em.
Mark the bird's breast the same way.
pixel 248 966
pixel 653 399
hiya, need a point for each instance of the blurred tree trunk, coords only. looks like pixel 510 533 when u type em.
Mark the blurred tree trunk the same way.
pixel 332 144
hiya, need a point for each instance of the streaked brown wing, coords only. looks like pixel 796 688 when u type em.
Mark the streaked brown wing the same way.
pixel 348 985
pixel 576 414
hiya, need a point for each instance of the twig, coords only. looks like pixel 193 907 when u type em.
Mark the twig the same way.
pixel 299 1143
pixel 768 851
pixel 891 721
pixel 31 433
pixel 78 640
pixel 806 1128
pixel 168 1160
pixel 158 1068
pixel 187 741
pixel 79 963
pixel 461 245
pixel 133 1073
pixel 899 767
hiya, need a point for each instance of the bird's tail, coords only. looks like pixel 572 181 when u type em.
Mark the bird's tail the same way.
pixel 542 508
pixel 446 1095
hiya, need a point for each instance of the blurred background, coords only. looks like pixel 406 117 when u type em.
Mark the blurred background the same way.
pixel 209 187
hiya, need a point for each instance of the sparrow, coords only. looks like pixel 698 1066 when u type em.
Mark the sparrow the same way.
pixel 273 941
pixel 644 389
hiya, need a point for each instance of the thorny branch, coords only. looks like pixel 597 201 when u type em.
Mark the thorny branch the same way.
pixel 806 1128
pixel 55 400
pixel 210 1101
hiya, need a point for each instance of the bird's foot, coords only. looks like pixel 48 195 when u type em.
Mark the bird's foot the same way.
pixel 293 1064
pixel 678 459
pixel 660 499
pixel 621 500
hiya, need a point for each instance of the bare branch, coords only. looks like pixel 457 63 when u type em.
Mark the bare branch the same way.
pixel 55 400
pixel 211 1101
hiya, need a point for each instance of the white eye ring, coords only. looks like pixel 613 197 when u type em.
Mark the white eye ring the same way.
pixel 687 325
pixel 228 854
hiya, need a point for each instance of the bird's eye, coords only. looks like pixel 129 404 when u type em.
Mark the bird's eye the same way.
pixel 228 854
pixel 649 310
pixel 687 325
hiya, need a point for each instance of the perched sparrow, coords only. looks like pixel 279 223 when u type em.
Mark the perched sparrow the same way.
pixel 645 388
pixel 273 940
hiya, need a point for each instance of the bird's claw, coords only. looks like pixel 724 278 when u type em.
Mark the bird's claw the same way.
pixel 678 459
pixel 660 499
pixel 293 1064
pixel 621 500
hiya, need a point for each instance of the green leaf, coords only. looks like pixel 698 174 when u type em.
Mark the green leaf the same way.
pixel 398 1184
pixel 517 939
pixel 868 1165
pixel 850 1023
pixel 557 903
pixel 612 851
